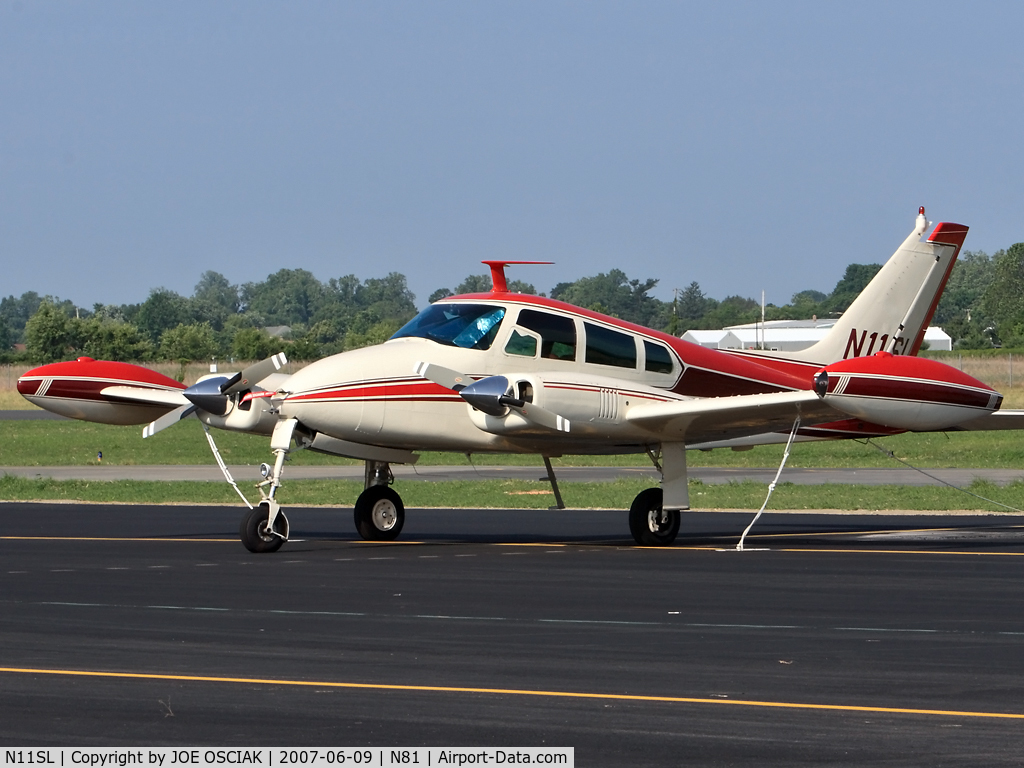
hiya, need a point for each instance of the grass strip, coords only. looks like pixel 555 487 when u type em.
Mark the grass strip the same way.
pixel 73 443
pixel 517 494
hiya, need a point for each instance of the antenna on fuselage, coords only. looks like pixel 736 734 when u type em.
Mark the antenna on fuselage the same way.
pixel 498 284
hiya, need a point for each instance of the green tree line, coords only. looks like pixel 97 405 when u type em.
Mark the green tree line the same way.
pixel 293 311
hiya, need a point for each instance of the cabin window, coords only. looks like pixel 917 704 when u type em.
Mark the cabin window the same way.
pixel 470 326
pixel 519 343
pixel 608 347
pixel 658 358
pixel 557 333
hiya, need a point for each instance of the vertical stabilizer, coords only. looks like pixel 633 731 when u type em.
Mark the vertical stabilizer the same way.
pixel 893 311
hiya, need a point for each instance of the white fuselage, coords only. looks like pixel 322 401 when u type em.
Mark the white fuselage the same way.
pixel 373 396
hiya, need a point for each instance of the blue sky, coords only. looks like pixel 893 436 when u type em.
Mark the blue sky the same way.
pixel 748 147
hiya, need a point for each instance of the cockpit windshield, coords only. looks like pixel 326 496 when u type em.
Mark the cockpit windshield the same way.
pixel 470 326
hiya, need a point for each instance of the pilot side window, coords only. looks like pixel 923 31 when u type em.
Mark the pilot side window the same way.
pixel 557 333
pixel 470 326
pixel 608 347
pixel 657 358
pixel 521 344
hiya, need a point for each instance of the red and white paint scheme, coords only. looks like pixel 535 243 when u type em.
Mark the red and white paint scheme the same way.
pixel 87 389
pixel 905 393
pixel 506 372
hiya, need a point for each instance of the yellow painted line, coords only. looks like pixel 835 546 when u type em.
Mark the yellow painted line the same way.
pixel 102 538
pixel 905 552
pixel 529 544
pixel 516 692
pixel 854 533
pixel 865 551
pixel 880 531
pixel 499 544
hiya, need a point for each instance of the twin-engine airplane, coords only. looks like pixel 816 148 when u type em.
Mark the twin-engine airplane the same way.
pixel 501 372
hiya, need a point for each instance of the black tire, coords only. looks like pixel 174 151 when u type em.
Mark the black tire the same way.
pixel 379 514
pixel 255 535
pixel 650 525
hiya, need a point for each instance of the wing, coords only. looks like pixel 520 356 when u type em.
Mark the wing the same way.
pixel 722 418
pixel 997 420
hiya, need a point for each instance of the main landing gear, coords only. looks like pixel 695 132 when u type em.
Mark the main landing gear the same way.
pixel 651 524
pixel 654 516
pixel 379 512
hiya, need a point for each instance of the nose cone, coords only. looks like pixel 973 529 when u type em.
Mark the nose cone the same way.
pixel 29 384
pixel 38 380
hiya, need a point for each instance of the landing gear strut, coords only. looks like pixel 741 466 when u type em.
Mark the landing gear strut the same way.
pixel 265 528
pixel 654 516
pixel 379 512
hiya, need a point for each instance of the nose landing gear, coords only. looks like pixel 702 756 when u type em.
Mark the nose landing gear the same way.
pixel 265 528
pixel 258 533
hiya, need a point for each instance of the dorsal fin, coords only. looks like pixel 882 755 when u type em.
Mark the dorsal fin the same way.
pixel 498 284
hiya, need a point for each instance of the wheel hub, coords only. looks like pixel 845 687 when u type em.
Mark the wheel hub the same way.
pixel 384 515
pixel 656 520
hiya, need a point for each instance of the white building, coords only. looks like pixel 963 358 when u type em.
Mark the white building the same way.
pixel 714 339
pixel 788 336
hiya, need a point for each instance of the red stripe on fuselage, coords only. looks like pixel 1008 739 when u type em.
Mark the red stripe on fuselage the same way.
pixel 379 390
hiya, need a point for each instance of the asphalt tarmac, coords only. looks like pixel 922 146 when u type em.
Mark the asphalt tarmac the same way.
pixel 833 639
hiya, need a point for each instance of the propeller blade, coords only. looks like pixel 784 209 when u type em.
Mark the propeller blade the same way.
pixel 253 375
pixel 168 420
pixel 442 376
pixel 542 417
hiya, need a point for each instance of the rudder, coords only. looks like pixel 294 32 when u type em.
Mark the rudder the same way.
pixel 893 311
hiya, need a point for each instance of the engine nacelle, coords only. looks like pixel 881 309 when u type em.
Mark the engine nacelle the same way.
pixel 252 414
pixel 903 392
pixel 593 406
